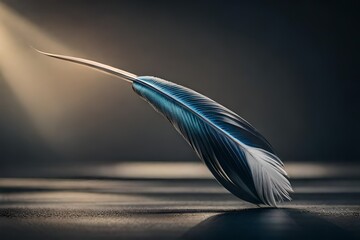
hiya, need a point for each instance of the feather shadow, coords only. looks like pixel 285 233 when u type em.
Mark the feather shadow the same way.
pixel 271 223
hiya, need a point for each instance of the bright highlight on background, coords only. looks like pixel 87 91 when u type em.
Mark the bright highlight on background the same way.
pixel 50 93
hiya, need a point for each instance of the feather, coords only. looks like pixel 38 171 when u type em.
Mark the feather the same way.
pixel 238 156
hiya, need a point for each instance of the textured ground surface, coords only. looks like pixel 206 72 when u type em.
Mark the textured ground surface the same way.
pixel 172 201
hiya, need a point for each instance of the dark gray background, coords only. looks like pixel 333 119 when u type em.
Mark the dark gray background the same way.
pixel 286 68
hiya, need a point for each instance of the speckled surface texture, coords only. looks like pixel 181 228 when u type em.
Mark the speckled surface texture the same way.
pixel 76 206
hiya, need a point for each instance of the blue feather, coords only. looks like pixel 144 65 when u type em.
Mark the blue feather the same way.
pixel 237 155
